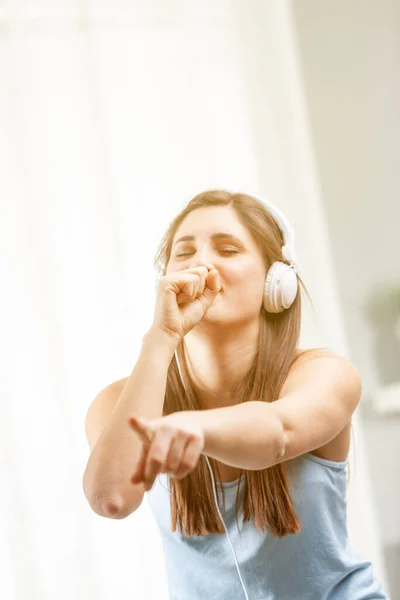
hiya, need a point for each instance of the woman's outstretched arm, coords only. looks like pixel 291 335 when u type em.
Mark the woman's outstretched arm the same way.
pixel 318 401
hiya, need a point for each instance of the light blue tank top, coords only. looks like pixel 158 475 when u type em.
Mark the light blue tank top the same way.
pixel 316 564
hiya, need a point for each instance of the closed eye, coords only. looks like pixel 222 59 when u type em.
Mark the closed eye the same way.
pixel 222 251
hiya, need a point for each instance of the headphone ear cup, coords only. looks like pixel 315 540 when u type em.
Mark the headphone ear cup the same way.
pixel 280 289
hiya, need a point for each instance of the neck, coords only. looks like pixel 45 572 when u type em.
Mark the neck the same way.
pixel 217 363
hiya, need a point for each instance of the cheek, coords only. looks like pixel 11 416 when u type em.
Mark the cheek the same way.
pixel 246 277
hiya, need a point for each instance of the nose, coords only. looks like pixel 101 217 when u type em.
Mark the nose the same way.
pixel 200 263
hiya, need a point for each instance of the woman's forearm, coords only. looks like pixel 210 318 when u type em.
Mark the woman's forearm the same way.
pixel 248 435
pixel 112 461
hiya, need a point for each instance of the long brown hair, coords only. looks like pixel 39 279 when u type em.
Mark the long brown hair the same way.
pixel 267 498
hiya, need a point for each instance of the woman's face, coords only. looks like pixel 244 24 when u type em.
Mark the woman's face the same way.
pixel 219 240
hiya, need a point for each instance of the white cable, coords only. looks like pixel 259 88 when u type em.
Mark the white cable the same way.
pixel 215 494
pixel 226 531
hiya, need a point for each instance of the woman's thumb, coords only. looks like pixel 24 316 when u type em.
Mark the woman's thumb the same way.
pixel 213 281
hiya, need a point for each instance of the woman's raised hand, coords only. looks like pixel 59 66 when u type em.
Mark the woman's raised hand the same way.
pixel 183 298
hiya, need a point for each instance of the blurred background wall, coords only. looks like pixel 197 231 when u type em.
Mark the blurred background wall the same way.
pixel 112 114
pixel 350 61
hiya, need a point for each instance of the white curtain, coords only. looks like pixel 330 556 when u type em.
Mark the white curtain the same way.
pixel 112 114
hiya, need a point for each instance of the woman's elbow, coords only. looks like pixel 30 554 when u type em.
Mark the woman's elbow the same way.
pixel 111 505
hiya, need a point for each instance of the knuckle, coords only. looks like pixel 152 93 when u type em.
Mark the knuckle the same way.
pixel 158 455
pixel 181 433
pixel 196 440
pixel 187 464
pixel 172 465
pixel 157 460
pixel 168 429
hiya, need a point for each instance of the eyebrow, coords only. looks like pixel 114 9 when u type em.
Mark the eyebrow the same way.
pixel 215 236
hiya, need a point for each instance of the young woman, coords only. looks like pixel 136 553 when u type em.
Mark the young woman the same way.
pixel 221 392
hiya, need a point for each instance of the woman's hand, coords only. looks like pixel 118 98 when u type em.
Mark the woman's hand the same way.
pixel 183 298
pixel 171 444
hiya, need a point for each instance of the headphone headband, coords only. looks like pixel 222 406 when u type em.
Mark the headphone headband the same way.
pixel 287 228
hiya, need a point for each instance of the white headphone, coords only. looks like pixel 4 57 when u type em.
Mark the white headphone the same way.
pixel 281 283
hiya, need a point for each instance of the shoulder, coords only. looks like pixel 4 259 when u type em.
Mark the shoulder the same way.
pixel 323 366
pixel 311 354
pixel 100 410
pixel 119 384
pixel 328 375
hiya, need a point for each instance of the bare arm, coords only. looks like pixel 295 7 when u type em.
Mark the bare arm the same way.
pixel 318 400
pixel 106 480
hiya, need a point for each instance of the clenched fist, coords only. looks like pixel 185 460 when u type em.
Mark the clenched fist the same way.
pixel 183 298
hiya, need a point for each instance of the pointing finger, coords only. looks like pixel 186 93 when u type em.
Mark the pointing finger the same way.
pixel 141 427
